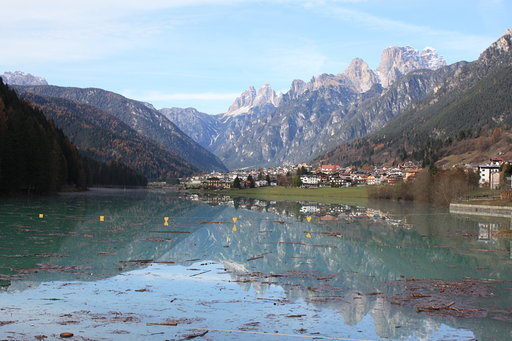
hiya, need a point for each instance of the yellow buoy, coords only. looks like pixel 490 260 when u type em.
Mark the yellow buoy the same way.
pixel 166 221
pixel 102 218
pixel 308 235
pixel 234 228
pixel 235 219
pixel 308 219
pixel 41 215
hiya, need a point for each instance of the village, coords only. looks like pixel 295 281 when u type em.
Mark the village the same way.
pixel 328 175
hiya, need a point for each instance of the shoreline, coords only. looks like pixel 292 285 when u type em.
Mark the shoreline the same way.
pixel 481 210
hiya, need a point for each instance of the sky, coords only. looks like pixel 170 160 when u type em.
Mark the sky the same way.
pixel 204 53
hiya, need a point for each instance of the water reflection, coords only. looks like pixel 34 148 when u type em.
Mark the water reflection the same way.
pixel 361 262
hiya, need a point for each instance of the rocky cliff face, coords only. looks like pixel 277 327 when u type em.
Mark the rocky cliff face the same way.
pixel 499 53
pixel 398 61
pixel 251 101
pixel 361 76
pixel 21 78
pixel 201 127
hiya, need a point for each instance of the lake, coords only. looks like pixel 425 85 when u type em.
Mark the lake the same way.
pixel 156 265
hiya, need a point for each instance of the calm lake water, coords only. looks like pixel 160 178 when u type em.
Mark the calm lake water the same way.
pixel 388 272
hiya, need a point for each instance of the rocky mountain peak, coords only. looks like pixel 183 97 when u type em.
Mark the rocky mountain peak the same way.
pixel 265 95
pixel 242 102
pixel 398 61
pixel 297 88
pixel 360 74
pixel 499 52
pixel 431 59
pixel 324 79
pixel 250 99
pixel 21 78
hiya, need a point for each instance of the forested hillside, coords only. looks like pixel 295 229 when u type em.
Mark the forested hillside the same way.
pixel 105 138
pixel 35 156
pixel 482 113
pixel 139 116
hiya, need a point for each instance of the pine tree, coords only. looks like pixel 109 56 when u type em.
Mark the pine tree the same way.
pixel 252 183
pixel 236 183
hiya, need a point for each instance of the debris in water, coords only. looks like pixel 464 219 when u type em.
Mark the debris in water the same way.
pixel 200 273
pixel 193 336
pixel 162 324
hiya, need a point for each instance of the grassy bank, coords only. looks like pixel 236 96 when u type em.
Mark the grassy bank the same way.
pixel 350 195
pixel 496 202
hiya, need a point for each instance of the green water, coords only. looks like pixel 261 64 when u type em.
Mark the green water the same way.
pixel 391 271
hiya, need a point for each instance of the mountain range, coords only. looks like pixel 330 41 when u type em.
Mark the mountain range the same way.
pixel 410 107
pixel 262 128
pixel 466 119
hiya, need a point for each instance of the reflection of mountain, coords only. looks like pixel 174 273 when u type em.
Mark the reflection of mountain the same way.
pixel 358 262
pixel 355 262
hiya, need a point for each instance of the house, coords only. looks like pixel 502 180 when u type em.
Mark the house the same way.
pixel 374 180
pixel 411 174
pixel 309 180
pixel 330 169
pixel 490 173
pixel 323 179
pixel 362 179
pixel 261 183
pixel 395 178
pixel 213 183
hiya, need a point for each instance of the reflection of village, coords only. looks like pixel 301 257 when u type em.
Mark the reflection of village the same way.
pixel 301 209
pixel 488 231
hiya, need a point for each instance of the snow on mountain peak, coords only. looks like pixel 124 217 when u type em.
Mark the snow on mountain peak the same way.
pixel 431 59
pixel 398 61
pixel 21 78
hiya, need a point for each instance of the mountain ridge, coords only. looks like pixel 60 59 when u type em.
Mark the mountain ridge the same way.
pixel 313 117
pixel 470 104
pixel 140 117
pixel 103 137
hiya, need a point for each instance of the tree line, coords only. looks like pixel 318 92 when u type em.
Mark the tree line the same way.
pixel 432 185
pixel 36 157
